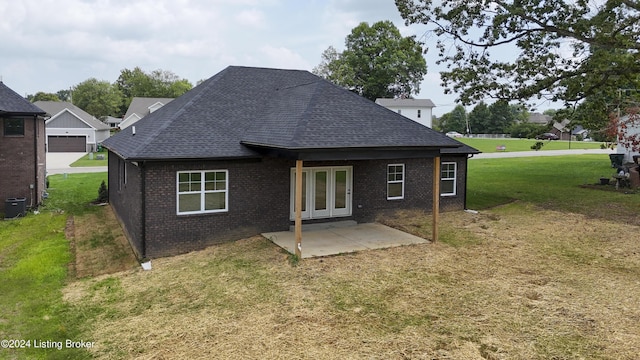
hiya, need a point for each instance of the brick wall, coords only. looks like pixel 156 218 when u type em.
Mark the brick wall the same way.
pixel 259 199
pixel 126 199
pixel 258 202
pixel 23 163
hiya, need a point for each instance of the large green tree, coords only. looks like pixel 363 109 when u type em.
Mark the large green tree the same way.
pixel 480 118
pixel 503 116
pixel 157 83
pixel 98 98
pixel 456 120
pixel 377 62
pixel 43 96
pixel 523 49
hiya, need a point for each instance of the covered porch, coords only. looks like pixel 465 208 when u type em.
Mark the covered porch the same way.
pixel 342 237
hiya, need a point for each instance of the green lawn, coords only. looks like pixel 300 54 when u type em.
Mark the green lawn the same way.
pixel 489 145
pixel 34 255
pixel 551 182
pixel 85 161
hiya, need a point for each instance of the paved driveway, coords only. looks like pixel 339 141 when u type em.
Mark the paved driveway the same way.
pixel 60 163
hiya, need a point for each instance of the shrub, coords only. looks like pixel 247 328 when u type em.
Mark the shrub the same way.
pixel 103 193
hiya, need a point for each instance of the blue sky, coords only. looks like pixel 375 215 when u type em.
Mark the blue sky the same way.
pixel 51 45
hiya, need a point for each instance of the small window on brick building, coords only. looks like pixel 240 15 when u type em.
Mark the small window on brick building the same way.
pixel 13 127
pixel 395 181
pixel 448 179
pixel 202 191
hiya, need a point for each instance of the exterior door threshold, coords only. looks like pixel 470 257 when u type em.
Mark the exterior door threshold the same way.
pixel 325 225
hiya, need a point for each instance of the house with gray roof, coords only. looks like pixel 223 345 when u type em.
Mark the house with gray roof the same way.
pixel 222 161
pixel 22 153
pixel 141 107
pixel 71 129
pixel 419 110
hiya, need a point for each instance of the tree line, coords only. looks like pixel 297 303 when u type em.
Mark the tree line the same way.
pixel 101 98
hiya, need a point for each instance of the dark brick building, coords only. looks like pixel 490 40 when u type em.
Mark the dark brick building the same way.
pixel 22 149
pixel 217 164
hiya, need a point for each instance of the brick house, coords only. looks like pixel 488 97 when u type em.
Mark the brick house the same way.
pixel 22 149
pixel 219 163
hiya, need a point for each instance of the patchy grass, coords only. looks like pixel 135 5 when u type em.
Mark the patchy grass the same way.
pixel 99 245
pixel 489 145
pixel 85 161
pixel 521 288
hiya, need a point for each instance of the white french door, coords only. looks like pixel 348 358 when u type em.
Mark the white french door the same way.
pixel 326 192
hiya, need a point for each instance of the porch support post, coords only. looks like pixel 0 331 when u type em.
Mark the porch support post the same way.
pixel 298 208
pixel 436 197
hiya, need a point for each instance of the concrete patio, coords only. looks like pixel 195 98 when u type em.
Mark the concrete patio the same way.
pixel 342 237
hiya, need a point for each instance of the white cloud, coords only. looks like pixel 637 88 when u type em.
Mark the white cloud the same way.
pixel 253 18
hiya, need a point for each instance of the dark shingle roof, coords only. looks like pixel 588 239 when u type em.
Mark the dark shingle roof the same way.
pixel 54 108
pixel 242 108
pixel 13 104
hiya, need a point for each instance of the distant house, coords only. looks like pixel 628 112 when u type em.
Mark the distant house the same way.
pixel 71 129
pixel 22 149
pixel 141 107
pixel 561 129
pixel 113 122
pixel 219 163
pixel 419 110
pixel 540 119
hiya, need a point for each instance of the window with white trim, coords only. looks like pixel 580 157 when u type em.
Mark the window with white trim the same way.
pixel 448 179
pixel 202 191
pixel 395 181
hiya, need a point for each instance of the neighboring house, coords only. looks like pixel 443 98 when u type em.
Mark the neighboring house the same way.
pixel 141 107
pixel 540 119
pixel 419 110
pixel 22 154
pixel 113 122
pixel 71 129
pixel 560 129
pixel 218 163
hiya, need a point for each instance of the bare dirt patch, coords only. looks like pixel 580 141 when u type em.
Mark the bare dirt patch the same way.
pixel 512 283
pixel 98 244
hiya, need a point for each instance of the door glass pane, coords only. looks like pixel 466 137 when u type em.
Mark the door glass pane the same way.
pixel 321 190
pixel 340 199
pixel 304 191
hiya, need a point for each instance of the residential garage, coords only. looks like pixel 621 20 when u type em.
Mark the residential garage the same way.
pixel 67 143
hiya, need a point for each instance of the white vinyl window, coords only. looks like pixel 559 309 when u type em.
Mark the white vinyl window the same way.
pixel 202 191
pixel 448 179
pixel 395 181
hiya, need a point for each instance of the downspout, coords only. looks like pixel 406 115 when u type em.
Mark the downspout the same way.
pixel 466 179
pixel 34 189
pixel 144 209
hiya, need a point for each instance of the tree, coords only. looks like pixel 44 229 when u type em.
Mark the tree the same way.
pixel 42 96
pixel 564 50
pixel 456 120
pixel 480 118
pixel 377 62
pixel 98 98
pixel 502 117
pixel 158 83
